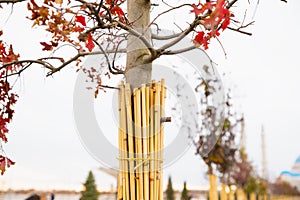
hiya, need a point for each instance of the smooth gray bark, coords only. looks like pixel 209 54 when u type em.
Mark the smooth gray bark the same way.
pixel 137 70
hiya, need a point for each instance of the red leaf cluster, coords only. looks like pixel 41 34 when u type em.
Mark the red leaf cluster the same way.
pixel 48 47
pixel 53 19
pixel 90 44
pixel 219 17
pixel 5 163
pixel 81 20
pixel 7 97
pixel 115 9
pixel 201 39
pixel 119 12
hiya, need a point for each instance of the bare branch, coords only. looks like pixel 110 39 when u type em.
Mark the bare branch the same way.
pixel 11 1
pixel 240 31
pixel 169 10
pixel 231 4
pixel 109 87
pixel 114 59
pixel 165 37
pixel 192 26
pixel 108 62
pixel 173 52
pixel 152 51
pixel 53 69
pixel 17 62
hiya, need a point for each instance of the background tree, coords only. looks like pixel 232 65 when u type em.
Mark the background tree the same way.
pixel 86 28
pixel 170 191
pixel 281 187
pixel 217 136
pixel 244 172
pixel 90 191
pixel 184 193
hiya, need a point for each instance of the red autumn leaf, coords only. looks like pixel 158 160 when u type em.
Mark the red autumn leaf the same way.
pixel 5 163
pixel 90 44
pixel 101 12
pixel 226 21
pixel 196 10
pixel 201 39
pixel 9 162
pixel 48 47
pixel 81 20
pixel 207 6
pixel 2 164
pixel 117 11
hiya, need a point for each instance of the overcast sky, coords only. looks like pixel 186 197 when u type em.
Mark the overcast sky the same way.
pixel 263 70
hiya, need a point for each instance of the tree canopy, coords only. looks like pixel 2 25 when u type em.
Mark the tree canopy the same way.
pixel 102 27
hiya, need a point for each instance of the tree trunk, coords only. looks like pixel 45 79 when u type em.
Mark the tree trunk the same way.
pixel 137 71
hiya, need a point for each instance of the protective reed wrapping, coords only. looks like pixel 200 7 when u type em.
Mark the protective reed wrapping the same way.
pixel 141 141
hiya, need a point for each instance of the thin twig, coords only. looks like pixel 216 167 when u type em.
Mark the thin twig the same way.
pixel 240 31
pixel 109 87
pixel 140 37
pixel 192 26
pixel 173 52
pixel 166 11
pixel 107 60
pixel 165 37
pixel 114 59
pixel 11 1
pixel 17 62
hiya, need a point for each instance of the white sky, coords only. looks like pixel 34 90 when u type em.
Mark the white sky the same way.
pixel 263 69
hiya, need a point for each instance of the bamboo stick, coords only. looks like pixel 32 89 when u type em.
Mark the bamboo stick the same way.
pixel 120 172
pixel 162 109
pixel 130 141
pixel 157 137
pixel 145 140
pixel 151 144
pixel 124 147
pixel 138 144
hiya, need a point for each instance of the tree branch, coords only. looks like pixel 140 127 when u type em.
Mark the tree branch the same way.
pixel 173 52
pixel 152 51
pixel 17 62
pixel 11 1
pixel 165 37
pixel 51 67
pixel 230 4
pixel 166 11
pixel 192 26
pixel 107 60
pixel 240 31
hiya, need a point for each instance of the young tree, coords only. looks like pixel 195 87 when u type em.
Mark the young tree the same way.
pixel 216 143
pixel 184 193
pixel 90 189
pixel 170 191
pixel 86 26
pixel 243 170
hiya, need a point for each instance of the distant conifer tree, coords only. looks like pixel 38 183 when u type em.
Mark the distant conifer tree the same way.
pixel 170 191
pixel 184 193
pixel 90 189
